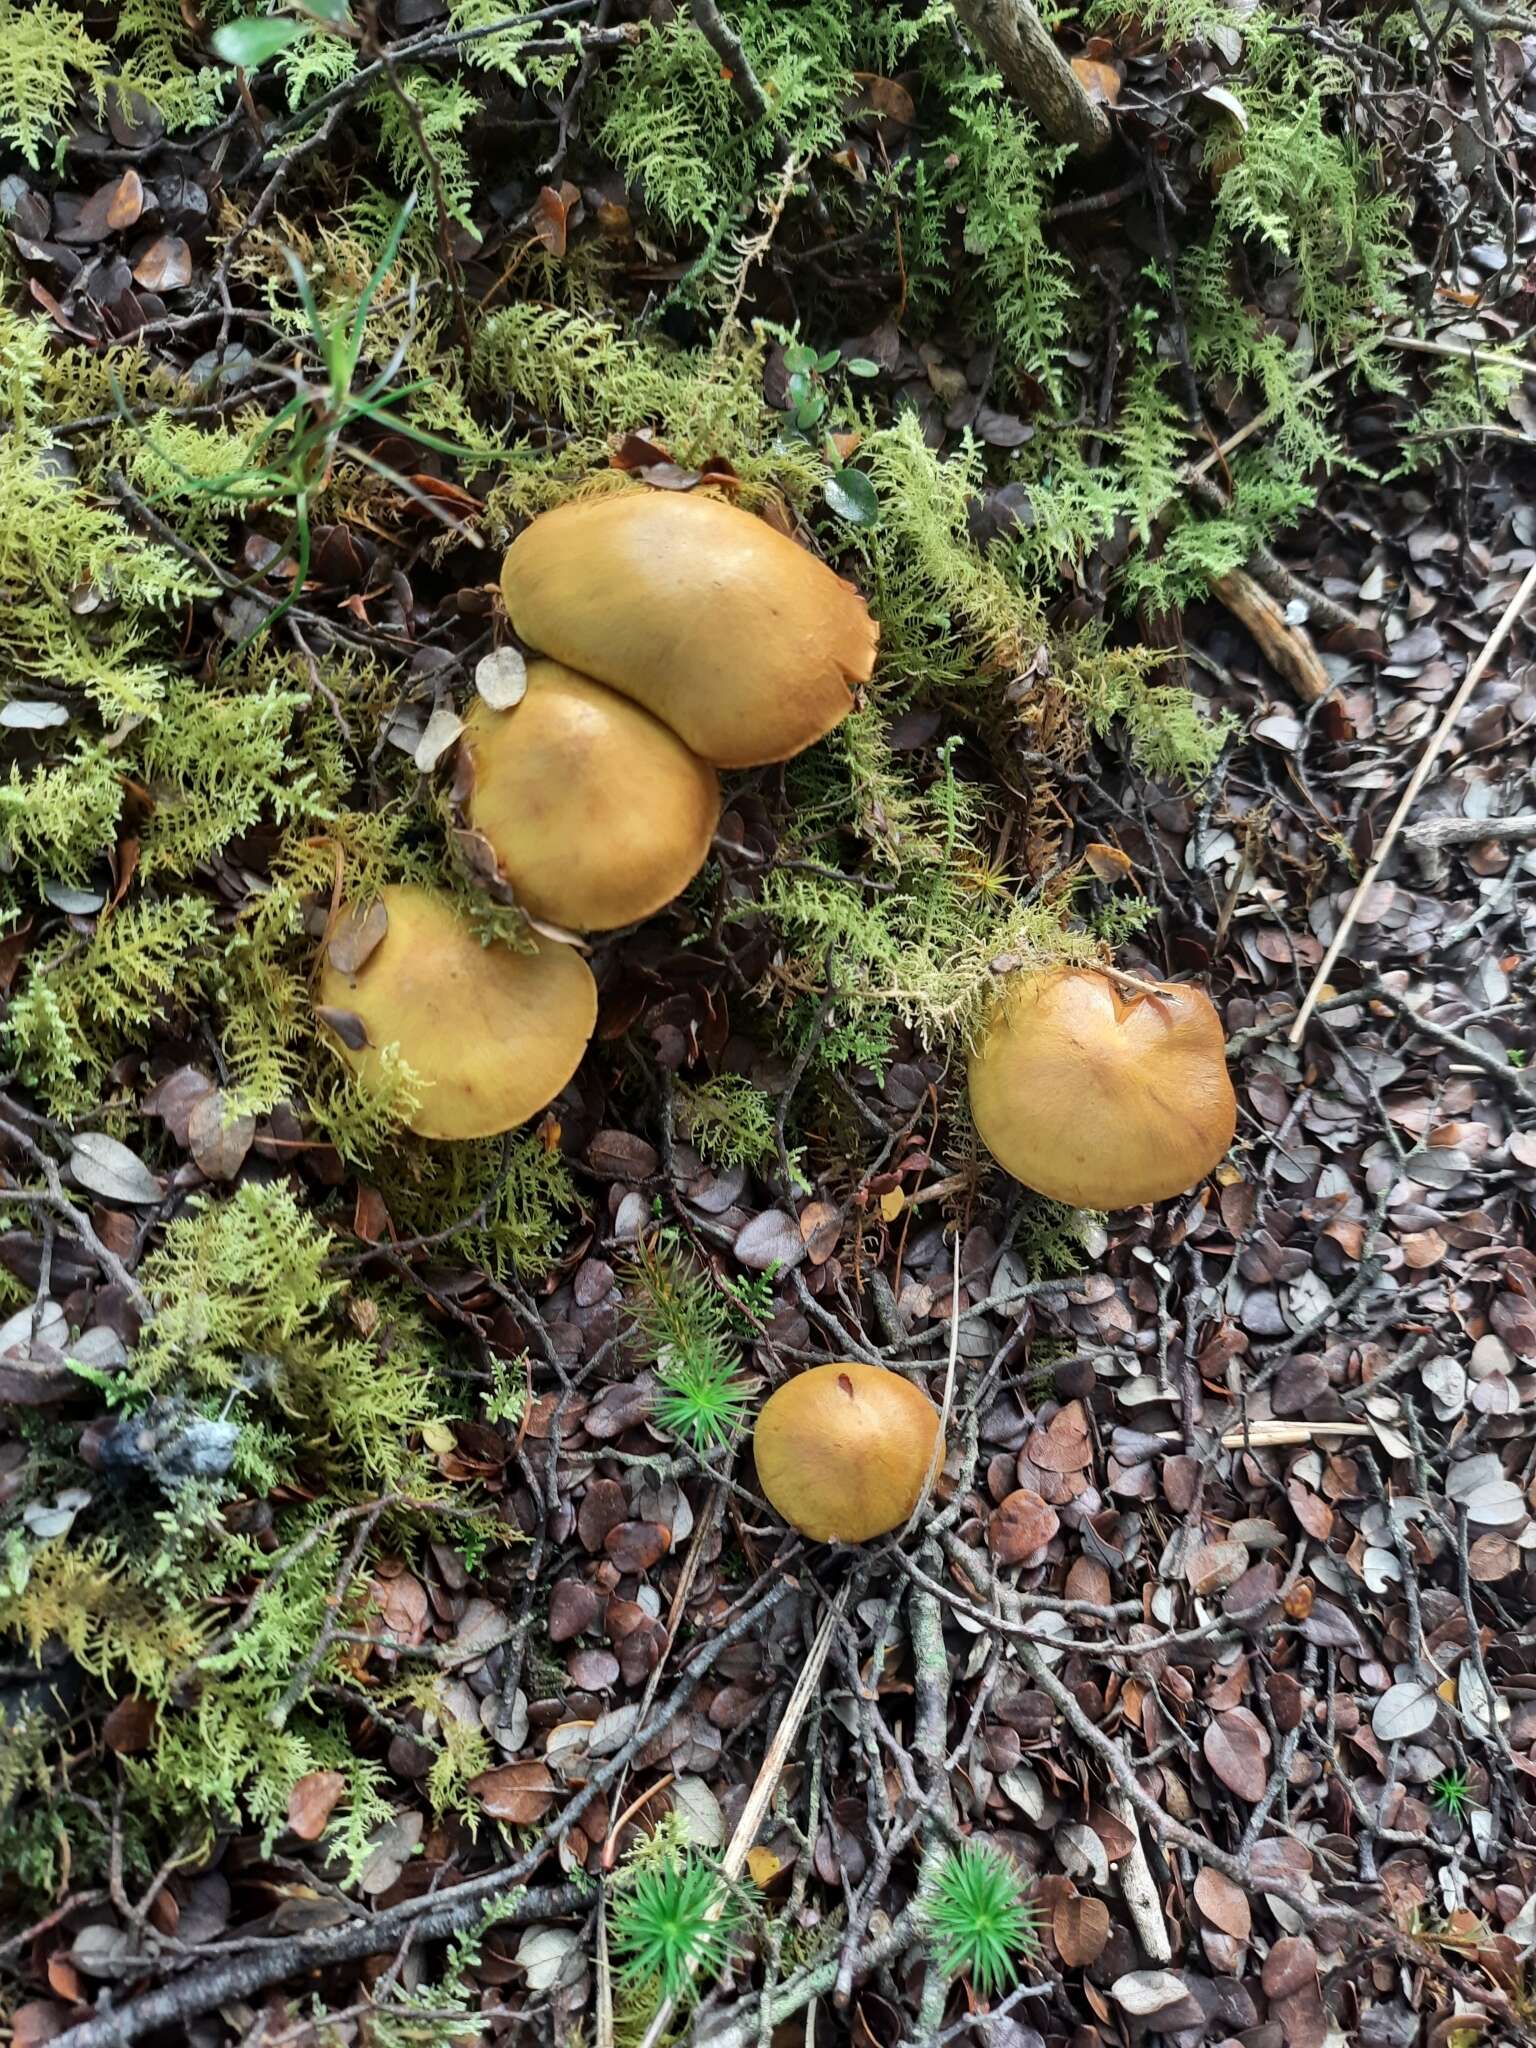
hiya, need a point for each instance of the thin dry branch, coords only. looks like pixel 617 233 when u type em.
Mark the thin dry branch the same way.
pixel 1021 46
pixel 1434 748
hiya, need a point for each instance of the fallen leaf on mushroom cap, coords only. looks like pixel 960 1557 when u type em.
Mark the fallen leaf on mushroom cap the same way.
pixel 357 931
pixel 501 678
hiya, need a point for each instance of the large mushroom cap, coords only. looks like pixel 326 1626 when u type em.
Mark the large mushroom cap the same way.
pixel 1100 1097
pixel 722 627
pixel 843 1450
pixel 493 1034
pixel 597 812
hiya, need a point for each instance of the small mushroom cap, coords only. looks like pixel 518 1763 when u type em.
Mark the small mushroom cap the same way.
pixel 843 1450
pixel 493 1034
pixel 1101 1097
pixel 597 812
pixel 723 628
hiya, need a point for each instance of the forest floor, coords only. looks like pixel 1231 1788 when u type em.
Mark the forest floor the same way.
pixel 393 1637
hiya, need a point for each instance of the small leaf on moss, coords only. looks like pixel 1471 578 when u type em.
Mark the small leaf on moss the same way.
pixel 851 496
pixel 312 1802
pixel 249 43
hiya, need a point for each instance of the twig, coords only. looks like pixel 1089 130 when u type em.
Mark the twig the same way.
pixel 1017 41
pixel 239 1976
pixel 930 1680
pixel 936 1458
pixel 1288 649
pixel 727 46
pixel 1137 1886
pixel 77 1219
pixel 1475 831
pixel 734 1860
pixel 1421 774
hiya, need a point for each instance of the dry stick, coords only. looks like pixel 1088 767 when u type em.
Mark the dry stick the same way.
pixel 1267 1436
pixel 727 46
pixel 936 1457
pixel 1410 797
pixel 604 2018
pixel 252 1971
pixel 1475 831
pixel 1138 1887
pixel 930 1701
pixel 1021 46
pixel 734 1861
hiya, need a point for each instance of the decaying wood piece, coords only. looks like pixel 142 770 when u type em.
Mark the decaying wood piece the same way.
pixel 1023 49
pixel 1288 649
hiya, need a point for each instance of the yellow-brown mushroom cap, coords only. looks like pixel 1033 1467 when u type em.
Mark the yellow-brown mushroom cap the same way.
pixel 1100 1096
pixel 596 811
pixel 843 1450
pixel 492 1034
pixel 743 643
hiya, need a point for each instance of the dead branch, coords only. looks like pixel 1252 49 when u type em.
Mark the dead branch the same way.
pixel 1288 649
pixel 1017 41
pixel 1434 748
pixel 727 46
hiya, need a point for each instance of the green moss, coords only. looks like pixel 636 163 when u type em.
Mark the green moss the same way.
pixel 84 1001
pixel 667 116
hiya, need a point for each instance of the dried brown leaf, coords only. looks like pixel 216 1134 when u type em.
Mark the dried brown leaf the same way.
pixel 1021 1525
pixel 1237 1746
pixel 312 1802
pixel 1224 1903
pixel 520 1794
pixel 1080 1929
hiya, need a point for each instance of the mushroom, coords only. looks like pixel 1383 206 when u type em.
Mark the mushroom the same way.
pixel 723 628
pixel 596 811
pixel 844 1451
pixel 492 1034
pixel 1101 1095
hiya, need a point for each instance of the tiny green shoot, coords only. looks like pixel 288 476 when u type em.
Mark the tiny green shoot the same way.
pixel 1452 1793
pixel 674 1923
pixel 981 1918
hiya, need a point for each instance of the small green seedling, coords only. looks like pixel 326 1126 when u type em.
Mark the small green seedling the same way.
pixel 687 1321
pixel 848 492
pixel 675 1924
pixel 1452 1793
pixel 981 1918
